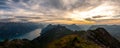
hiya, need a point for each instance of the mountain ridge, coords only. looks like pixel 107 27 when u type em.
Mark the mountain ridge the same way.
pixel 69 39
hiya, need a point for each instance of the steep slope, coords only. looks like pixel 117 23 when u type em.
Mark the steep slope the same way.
pixel 114 30
pixel 72 41
pixel 51 33
pixel 102 37
pixel 17 43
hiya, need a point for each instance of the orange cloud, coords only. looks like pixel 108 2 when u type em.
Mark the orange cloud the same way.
pixel 117 21
pixel 70 22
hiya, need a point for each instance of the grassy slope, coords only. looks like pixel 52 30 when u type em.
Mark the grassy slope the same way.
pixel 72 41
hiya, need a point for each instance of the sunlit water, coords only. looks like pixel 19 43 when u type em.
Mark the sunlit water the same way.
pixel 31 35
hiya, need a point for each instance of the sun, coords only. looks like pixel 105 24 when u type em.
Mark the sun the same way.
pixel 102 10
pixel 76 15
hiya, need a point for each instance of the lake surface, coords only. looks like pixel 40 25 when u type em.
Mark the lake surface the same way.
pixel 31 35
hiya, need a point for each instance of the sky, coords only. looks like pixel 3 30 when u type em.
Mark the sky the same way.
pixel 61 11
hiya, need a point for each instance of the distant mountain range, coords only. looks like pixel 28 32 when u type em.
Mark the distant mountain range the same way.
pixel 114 30
pixel 59 36
pixel 77 27
pixel 14 29
pixel 73 27
pixel 53 32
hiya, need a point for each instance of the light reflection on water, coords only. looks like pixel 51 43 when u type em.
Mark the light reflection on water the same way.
pixel 30 35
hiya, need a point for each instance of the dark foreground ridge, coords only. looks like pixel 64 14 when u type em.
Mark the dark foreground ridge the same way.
pixel 57 36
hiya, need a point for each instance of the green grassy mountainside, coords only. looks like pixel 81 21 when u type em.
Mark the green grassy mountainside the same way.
pixel 72 41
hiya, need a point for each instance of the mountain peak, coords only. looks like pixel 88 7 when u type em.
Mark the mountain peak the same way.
pixel 50 27
pixel 73 27
pixel 102 37
pixel 101 29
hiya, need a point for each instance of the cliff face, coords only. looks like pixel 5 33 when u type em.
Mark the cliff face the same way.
pixel 57 36
pixel 102 37
pixel 114 30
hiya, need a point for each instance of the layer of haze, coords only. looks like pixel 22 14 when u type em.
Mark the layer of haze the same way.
pixel 61 11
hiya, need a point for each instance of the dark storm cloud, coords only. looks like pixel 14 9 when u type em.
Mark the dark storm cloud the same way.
pixel 4 7
pixel 54 3
pixel 13 20
pixel 27 17
pixel 61 4
pixel 98 16
pixel 69 4
pixel 16 0
pixel 6 20
pixel 3 4
pixel 3 1
pixel 90 19
pixel 116 16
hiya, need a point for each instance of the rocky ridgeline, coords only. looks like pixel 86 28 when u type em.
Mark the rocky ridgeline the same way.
pixel 57 36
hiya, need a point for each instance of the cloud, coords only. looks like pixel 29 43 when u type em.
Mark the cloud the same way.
pixel 110 21
pixel 57 10
pixel 98 16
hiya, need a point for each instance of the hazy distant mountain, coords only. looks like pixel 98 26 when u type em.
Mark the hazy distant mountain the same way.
pixel 77 27
pixel 84 27
pixel 9 30
pixel 73 27
pixel 114 30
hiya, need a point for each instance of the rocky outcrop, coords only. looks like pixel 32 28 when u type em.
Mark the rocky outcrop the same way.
pixel 103 38
pixel 113 30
